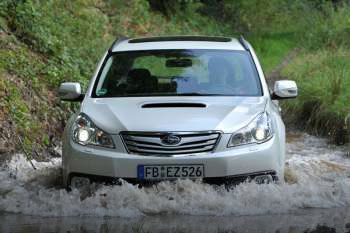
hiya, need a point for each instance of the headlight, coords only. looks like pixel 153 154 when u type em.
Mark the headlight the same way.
pixel 85 132
pixel 258 131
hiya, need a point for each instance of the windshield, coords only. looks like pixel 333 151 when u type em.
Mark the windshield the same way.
pixel 178 72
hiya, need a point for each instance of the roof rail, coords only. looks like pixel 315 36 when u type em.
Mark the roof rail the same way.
pixel 117 41
pixel 243 42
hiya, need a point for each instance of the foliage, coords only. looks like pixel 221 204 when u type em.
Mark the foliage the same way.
pixel 169 7
pixel 272 48
pixel 41 47
pixel 43 43
pixel 324 83
pixel 322 72
pixel 57 33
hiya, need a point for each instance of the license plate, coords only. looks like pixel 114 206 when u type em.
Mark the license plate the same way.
pixel 160 172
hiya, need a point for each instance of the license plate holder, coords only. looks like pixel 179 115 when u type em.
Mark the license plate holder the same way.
pixel 170 171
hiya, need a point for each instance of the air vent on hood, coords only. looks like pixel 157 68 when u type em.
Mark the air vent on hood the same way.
pixel 174 105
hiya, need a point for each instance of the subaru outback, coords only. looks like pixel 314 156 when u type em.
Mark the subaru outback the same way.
pixel 180 107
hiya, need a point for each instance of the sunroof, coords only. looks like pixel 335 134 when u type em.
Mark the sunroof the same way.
pixel 181 38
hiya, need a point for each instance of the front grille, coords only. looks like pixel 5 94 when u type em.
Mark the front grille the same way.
pixel 152 143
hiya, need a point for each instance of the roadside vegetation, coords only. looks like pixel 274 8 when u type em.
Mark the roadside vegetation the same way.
pixel 322 71
pixel 43 43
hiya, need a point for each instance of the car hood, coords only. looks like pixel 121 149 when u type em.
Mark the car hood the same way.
pixel 227 114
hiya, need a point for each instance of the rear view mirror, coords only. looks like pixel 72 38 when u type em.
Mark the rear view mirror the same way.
pixel 70 92
pixel 179 62
pixel 285 89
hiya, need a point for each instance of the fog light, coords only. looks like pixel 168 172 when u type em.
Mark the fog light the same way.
pixel 79 182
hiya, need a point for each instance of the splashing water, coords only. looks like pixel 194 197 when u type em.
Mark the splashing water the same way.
pixel 317 175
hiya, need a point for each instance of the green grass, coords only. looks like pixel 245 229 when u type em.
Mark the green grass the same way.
pixel 41 47
pixel 322 72
pixel 323 105
pixel 272 48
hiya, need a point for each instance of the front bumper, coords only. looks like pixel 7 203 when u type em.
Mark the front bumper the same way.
pixel 220 164
pixel 227 180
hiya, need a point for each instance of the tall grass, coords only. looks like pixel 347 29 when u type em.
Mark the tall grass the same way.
pixel 323 105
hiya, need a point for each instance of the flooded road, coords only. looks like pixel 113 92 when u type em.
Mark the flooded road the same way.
pixel 320 220
pixel 315 198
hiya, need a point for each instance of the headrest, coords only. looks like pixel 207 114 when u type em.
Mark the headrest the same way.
pixel 139 73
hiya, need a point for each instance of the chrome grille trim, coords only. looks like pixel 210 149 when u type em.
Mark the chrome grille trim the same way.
pixel 150 144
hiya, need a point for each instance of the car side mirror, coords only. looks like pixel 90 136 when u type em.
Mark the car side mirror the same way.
pixel 284 89
pixel 70 92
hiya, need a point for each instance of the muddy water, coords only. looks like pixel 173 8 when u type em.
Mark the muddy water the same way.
pixel 315 197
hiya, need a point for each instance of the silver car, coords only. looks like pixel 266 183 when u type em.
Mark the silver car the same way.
pixel 180 107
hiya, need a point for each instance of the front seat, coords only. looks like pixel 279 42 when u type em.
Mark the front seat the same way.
pixel 139 81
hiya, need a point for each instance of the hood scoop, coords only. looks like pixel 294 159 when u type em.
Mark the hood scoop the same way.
pixel 174 105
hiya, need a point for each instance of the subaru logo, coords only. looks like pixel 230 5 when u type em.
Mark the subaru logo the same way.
pixel 170 139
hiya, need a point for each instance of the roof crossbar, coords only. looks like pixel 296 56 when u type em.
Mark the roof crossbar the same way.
pixel 180 38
